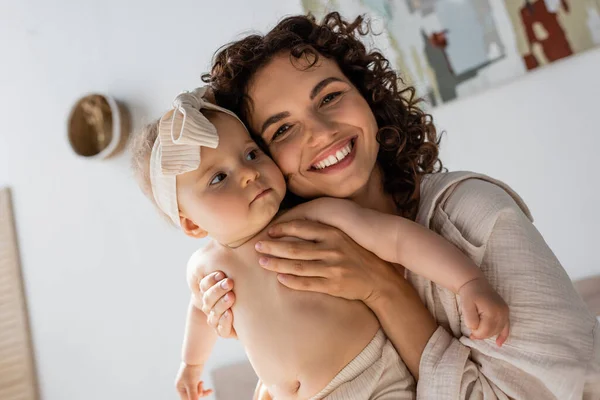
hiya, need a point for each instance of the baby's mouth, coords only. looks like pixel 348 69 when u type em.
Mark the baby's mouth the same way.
pixel 261 194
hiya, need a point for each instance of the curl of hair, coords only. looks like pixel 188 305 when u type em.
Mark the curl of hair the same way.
pixel 409 143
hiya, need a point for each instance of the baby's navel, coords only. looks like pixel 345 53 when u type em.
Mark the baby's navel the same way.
pixel 286 390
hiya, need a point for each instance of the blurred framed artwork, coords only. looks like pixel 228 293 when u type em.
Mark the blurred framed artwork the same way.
pixel 452 48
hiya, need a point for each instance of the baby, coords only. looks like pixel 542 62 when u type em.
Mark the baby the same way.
pixel 208 176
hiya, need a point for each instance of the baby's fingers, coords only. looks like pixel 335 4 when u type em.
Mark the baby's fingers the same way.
pixel 192 393
pixel 187 392
pixel 487 328
pixel 471 315
pixel 492 324
pixel 202 392
pixel 503 335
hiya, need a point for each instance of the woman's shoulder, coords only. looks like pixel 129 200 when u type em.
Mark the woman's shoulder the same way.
pixel 471 202
pixel 467 190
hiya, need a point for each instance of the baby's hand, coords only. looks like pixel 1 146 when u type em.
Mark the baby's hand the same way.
pixel 188 383
pixel 485 312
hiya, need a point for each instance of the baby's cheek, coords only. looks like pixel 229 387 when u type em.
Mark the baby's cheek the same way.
pixel 228 212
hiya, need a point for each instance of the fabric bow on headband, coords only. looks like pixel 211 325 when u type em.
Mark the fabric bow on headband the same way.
pixel 181 133
pixel 183 130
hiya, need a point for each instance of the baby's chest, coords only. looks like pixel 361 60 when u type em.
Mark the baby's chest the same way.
pixel 240 264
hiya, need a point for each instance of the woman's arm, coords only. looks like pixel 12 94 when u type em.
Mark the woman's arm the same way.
pixel 551 350
pixel 405 320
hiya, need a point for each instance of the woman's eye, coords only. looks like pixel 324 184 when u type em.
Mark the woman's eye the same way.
pixel 218 178
pixel 330 97
pixel 252 155
pixel 279 132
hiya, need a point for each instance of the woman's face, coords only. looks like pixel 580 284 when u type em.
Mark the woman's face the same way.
pixel 318 127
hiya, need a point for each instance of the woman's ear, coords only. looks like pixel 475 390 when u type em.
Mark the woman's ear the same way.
pixel 190 228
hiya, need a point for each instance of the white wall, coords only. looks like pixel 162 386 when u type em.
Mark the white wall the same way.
pixel 539 134
pixel 105 276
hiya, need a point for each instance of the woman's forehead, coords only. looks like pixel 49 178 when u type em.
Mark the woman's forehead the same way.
pixel 287 78
pixel 285 71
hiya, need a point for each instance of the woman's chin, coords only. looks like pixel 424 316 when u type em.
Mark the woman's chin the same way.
pixel 345 188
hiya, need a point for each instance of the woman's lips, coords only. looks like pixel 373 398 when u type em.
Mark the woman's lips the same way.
pixel 340 165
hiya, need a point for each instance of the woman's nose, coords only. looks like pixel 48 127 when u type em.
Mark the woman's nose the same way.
pixel 320 131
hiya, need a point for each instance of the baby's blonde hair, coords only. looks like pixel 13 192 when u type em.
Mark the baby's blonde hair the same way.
pixel 140 148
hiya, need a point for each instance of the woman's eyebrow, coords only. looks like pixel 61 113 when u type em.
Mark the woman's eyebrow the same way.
pixel 273 120
pixel 321 85
pixel 313 93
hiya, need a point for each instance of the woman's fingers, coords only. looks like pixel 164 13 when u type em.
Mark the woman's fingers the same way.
pixel 223 304
pixel 215 293
pixel 301 229
pixel 211 280
pixel 222 323
pixel 294 267
pixel 297 250
pixel 225 325
pixel 306 284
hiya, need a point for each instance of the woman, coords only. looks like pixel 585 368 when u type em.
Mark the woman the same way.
pixel 306 89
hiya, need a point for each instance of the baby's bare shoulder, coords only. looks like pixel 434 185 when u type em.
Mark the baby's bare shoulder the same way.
pixel 206 259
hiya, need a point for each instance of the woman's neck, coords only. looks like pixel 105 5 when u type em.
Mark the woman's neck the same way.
pixel 374 197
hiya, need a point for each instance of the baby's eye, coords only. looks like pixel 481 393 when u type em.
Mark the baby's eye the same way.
pixel 218 178
pixel 252 155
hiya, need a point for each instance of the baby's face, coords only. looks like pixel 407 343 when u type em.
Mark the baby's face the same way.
pixel 237 189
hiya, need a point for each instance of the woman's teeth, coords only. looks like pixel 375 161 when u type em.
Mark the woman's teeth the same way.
pixel 334 159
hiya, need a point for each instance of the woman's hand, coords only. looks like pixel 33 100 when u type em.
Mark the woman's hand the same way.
pixel 326 261
pixel 217 297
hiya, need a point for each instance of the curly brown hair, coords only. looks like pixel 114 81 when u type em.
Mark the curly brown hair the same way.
pixel 409 143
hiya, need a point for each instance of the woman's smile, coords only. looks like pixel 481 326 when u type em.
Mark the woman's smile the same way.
pixel 337 157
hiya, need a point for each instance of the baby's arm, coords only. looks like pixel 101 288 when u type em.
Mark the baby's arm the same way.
pixel 199 336
pixel 199 340
pixel 397 240
pixel 401 241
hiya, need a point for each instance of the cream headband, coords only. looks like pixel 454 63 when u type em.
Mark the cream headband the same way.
pixel 181 133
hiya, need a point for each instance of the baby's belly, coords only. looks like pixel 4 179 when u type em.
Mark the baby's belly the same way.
pixel 297 341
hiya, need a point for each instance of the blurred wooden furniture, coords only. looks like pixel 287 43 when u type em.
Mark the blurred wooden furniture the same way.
pixel 17 372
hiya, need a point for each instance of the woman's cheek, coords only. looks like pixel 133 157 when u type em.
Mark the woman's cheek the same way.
pixel 286 159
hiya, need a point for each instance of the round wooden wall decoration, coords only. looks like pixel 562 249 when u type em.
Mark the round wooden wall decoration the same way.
pixel 97 126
